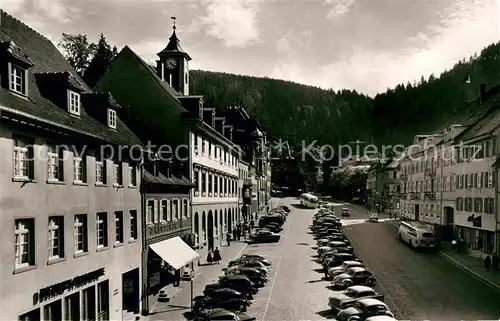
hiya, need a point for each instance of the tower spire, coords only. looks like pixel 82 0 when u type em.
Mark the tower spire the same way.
pixel 173 21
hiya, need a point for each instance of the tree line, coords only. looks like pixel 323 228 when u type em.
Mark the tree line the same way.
pixel 295 113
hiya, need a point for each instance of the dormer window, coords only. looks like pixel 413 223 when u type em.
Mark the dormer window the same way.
pixel 74 103
pixel 17 79
pixel 111 118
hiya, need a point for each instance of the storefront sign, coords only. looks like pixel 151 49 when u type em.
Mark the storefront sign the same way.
pixel 479 221
pixel 475 220
pixel 60 288
pixel 163 228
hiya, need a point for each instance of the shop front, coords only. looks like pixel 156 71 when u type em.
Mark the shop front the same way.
pixel 84 297
pixel 165 255
pixel 477 230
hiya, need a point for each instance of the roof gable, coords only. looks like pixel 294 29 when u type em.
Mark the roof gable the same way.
pixel 488 121
pixel 46 59
pixel 143 95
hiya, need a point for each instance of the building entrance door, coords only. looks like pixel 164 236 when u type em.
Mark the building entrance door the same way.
pixel 130 291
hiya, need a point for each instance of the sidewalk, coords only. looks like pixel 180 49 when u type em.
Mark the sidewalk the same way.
pixel 473 265
pixel 204 274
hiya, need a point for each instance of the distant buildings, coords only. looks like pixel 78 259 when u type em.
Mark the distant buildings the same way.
pixel 108 194
pixel 449 178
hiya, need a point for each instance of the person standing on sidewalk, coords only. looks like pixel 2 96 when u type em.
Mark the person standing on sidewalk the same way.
pixel 487 262
pixel 210 258
pixel 228 238
pixel 217 257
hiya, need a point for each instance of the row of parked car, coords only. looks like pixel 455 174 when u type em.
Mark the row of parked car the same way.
pixel 354 297
pixel 229 298
pixel 270 226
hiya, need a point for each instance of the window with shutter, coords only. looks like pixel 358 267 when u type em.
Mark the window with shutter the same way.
pixel 479 179
pixel 493 178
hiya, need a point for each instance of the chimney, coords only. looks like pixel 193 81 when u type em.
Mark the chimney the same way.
pixel 219 124
pixel 209 116
pixel 228 132
pixel 482 93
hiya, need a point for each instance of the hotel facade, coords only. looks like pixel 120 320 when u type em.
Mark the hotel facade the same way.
pixel 70 223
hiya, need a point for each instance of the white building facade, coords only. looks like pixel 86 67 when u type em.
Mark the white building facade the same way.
pixel 214 200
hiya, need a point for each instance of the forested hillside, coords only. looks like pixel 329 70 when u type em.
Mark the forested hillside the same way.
pixel 295 112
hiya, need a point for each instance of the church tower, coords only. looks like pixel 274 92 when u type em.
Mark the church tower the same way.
pixel 172 66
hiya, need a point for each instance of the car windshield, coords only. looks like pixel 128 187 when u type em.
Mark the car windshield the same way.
pixel 264 232
pixel 350 272
pixel 344 265
pixel 427 235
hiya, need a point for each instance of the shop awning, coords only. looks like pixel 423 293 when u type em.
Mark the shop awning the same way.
pixel 175 252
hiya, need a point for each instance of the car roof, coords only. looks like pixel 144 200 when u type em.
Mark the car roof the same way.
pixel 380 318
pixel 353 262
pixel 217 312
pixel 356 269
pixel 236 277
pixel 369 301
pixel 336 242
pixel 345 209
pixel 360 288
pixel 344 254
pixel 226 290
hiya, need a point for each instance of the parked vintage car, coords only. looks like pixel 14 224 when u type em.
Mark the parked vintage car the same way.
pixel 264 236
pixel 239 283
pixel 373 217
pixel 228 299
pixel 334 271
pixel 222 314
pixel 253 256
pixel 237 270
pixel 345 212
pixel 245 259
pixel 343 300
pixel 381 318
pixel 338 259
pixel 353 276
pixel 252 274
pixel 254 264
pixel 364 309
pixel 275 228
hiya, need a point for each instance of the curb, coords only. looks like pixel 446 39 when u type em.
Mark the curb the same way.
pixel 476 275
pixel 466 269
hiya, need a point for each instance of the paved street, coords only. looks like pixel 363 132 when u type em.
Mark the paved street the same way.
pixel 417 286
pixel 295 290
pixel 420 286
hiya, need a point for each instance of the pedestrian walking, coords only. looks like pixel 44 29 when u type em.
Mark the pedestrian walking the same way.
pixel 487 262
pixel 210 258
pixel 251 224
pixel 217 256
pixel 228 238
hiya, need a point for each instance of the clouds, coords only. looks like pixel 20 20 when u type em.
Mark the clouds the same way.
pixel 381 44
pixel 338 7
pixel 465 27
pixel 235 23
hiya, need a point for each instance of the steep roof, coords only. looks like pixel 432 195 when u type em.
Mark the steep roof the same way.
pixel 488 121
pixel 470 112
pixel 46 58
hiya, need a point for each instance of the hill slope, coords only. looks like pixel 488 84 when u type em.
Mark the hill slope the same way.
pixel 297 112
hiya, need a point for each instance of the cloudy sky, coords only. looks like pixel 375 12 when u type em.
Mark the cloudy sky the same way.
pixel 367 45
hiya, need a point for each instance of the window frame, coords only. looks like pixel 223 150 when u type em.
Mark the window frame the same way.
pixel 23 76
pixel 80 221
pixel 102 227
pixel 56 235
pixel 74 102
pixel 112 118
pixel 133 225
pixel 119 228
pixel 24 237
pixel 22 158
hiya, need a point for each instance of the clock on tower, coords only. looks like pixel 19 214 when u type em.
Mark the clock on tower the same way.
pixel 172 67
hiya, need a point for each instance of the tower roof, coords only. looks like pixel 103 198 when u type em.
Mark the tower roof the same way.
pixel 174 45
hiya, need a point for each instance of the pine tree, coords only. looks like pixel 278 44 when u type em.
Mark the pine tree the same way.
pixel 103 55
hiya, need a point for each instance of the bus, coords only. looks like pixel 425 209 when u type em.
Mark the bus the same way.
pixel 417 235
pixel 308 200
